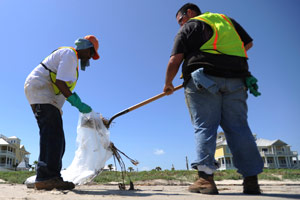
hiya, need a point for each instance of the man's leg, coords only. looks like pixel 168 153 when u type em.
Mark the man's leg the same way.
pixel 205 111
pixel 240 140
pixel 52 141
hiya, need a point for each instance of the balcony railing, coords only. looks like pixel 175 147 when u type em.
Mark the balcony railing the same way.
pixel 6 166
pixel 280 153
pixel 226 166
pixel 5 152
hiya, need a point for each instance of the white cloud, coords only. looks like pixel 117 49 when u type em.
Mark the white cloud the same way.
pixel 159 152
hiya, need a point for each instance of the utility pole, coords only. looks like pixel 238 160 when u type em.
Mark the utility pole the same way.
pixel 187 163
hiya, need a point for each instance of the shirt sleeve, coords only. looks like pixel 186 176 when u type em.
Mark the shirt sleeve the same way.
pixel 66 70
pixel 178 46
pixel 192 35
pixel 245 37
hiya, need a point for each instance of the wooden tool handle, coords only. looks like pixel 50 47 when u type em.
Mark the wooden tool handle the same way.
pixel 141 104
pixel 152 99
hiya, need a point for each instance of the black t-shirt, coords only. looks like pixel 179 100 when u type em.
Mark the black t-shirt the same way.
pixel 192 35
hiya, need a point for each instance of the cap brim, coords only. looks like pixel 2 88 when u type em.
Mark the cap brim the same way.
pixel 96 56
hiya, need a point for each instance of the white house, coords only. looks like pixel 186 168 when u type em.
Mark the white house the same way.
pixel 12 153
pixel 275 154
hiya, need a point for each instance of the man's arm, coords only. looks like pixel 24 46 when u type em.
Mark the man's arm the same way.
pixel 73 98
pixel 249 46
pixel 246 38
pixel 172 69
pixel 62 86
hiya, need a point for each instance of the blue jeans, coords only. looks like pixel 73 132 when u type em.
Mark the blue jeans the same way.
pixel 52 141
pixel 227 108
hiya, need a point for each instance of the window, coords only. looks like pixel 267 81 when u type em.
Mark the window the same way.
pixel 265 150
pixel 227 150
pixel 282 161
pixel 228 161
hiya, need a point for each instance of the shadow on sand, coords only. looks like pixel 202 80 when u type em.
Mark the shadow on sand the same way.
pixel 131 193
pixel 279 196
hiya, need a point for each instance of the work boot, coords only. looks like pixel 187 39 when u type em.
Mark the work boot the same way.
pixel 57 183
pixel 251 185
pixel 205 184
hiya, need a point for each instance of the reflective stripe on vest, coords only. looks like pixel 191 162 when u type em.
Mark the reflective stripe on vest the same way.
pixel 225 39
pixel 52 74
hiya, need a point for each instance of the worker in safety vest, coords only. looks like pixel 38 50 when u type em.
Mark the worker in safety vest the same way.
pixel 213 49
pixel 46 88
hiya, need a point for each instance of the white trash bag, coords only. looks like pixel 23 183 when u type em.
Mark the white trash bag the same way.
pixel 92 152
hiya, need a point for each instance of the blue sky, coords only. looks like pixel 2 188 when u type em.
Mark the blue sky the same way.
pixel 136 38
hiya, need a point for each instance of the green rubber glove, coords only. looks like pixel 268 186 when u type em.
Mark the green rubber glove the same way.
pixel 251 83
pixel 76 102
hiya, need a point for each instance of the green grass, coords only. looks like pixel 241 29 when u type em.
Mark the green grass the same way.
pixel 180 175
pixel 15 176
pixel 191 176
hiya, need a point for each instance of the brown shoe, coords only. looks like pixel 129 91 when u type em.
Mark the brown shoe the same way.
pixel 56 183
pixel 205 184
pixel 251 185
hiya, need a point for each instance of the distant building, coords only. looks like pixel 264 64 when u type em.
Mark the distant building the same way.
pixel 106 168
pixel 275 154
pixel 12 154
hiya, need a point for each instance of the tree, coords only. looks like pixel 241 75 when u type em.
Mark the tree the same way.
pixel 110 167
pixel 130 169
pixel 158 168
pixel 15 166
pixel 35 164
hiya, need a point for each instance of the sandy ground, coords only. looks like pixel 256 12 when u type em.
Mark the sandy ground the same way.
pixel 155 190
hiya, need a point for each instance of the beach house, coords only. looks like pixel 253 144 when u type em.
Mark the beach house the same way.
pixel 13 154
pixel 275 154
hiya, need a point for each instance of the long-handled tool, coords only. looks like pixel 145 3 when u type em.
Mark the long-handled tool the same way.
pixel 139 105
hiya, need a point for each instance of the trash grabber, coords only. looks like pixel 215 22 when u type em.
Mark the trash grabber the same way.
pixel 140 105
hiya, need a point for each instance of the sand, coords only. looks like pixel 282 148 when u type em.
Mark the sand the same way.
pixel 152 190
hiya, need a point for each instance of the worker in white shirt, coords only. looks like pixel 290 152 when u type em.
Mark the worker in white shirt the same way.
pixel 46 88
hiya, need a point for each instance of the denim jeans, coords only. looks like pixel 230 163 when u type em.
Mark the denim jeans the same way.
pixel 227 108
pixel 52 141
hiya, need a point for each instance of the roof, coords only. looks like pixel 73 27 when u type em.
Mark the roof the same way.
pixel 265 143
pixel 22 147
pixel 13 137
pixel 3 142
pixel 23 164
pixel 260 142
pixel 224 142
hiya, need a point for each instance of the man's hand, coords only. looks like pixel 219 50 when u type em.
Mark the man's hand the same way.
pixel 76 102
pixel 251 83
pixel 168 89
pixel 172 69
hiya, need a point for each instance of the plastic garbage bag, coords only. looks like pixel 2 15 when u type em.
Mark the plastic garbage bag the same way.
pixel 92 151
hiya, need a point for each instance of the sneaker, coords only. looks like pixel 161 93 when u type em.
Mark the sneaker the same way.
pixel 57 183
pixel 251 185
pixel 205 184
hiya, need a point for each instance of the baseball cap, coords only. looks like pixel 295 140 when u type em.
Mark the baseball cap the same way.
pixel 95 43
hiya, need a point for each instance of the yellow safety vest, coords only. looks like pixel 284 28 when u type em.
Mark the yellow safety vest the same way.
pixel 52 74
pixel 225 39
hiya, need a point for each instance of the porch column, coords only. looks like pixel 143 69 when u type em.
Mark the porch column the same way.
pixel 288 161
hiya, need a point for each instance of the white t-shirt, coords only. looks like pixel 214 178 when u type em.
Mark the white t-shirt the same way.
pixel 38 86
